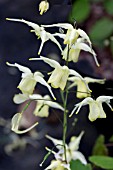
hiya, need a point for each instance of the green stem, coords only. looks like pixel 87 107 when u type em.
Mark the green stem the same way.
pixel 65 124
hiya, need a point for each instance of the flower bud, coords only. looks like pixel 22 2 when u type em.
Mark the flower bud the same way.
pixel 43 7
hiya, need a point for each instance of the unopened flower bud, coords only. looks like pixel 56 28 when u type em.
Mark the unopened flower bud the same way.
pixel 43 6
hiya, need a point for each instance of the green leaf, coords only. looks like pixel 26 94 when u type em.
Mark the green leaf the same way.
pixel 79 166
pixel 101 30
pixel 80 11
pixel 104 162
pixel 108 5
pixel 111 138
pixel 99 147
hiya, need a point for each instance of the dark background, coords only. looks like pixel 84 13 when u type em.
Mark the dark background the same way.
pixel 17 44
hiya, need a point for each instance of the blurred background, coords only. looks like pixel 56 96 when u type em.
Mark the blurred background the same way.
pixel 17 44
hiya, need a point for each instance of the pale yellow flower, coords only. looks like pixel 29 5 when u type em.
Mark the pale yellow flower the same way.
pixel 40 33
pixel 43 104
pixel 72 53
pixel 95 106
pixel 72 33
pixel 16 122
pixel 82 90
pixel 43 6
pixel 29 81
pixel 72 153
pixel 60 74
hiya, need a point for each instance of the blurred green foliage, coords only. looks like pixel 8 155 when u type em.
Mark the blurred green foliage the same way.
pixel 108 5
pixel 77 165
pixel 104 162
pixel 101 29
pixel 100 147
pixel 80 11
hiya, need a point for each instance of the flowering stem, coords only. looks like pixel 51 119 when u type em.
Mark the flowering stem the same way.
pixel 65 113
pixel 65 124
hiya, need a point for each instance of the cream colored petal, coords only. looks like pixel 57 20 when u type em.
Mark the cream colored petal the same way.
pixel 85 47
pixel 54 105
pixel 59 77
pixel 76 155
pixel 105 99
pixel 20 98
pixel 52 38
pixel 83 103
pixel 51 62
pixel 60 35
pixel 56 142
pixel 102 113
pixel 62 25
pixel 44 37
pixel 35 97
pixel 75 141
pixel 93 80
pixel 31 24
pixel 73 72
pixel 44 83
pixel 94 111
pixel 41 109
pixel 15 124
pixel 20 67
pixel 27 85
pixel 55 164
pixel 84 35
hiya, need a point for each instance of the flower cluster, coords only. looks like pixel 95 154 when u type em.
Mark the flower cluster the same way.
pixel 61 77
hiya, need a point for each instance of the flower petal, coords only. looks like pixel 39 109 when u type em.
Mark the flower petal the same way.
pixel 20 67
pixel 84 35
pixel 20 98
pixel 15 124
pixel 52 38
pixel 78 155
pixel 54 105
pixel 31 24
pixel 74 142
pixel 56 142
pixel 51 62
pixel 79 105
pixel 43 82
pixel 62 25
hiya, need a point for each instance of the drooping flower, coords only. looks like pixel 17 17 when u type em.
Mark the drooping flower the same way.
pixel 16 122
pixel 43 6
pixel 29 80
pixel 82 91
pixel 43 104
pixel 60 74
pixel 40 33
pixel 72 33
pixel 74 43
pixel 72 53
pixel 72 153
pixel 95 107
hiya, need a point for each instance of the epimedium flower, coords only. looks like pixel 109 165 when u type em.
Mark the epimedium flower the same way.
pixel 60 74
pixel 58 165
pixel 29 80
pixel 43 6
pixel 40 33
pixel 74 51
pixel 72 33
pixel 43 104
pixel 95 107
pixel 16 122
pixel 72 153
pixel 82 91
